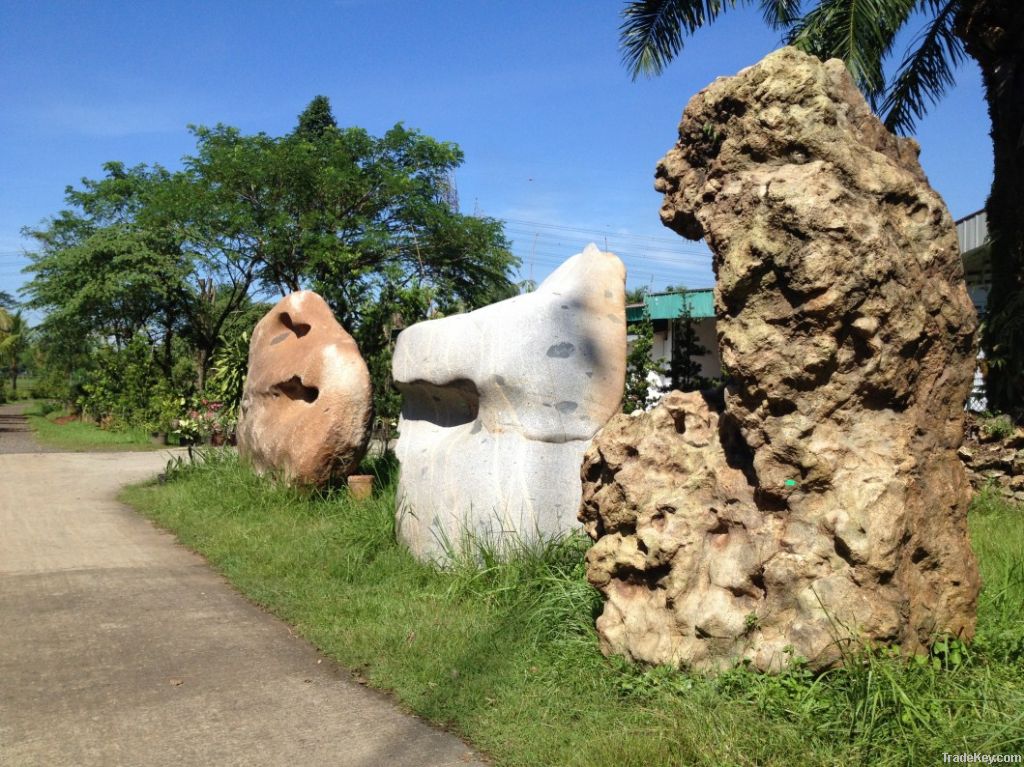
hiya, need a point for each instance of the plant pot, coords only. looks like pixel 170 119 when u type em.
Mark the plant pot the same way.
pixel 360 486
pixel 158 437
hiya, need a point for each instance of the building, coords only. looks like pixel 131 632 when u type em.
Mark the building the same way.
pixel 663 308
pixel 972 233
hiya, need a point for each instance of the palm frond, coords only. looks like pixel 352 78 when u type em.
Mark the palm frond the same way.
pixel 780 14
pixel 860 32
pixel 926 72
pixel 652 31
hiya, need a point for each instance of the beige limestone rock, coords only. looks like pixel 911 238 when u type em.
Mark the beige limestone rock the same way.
pixel 499 405
pixel 819 498
pixel 307 404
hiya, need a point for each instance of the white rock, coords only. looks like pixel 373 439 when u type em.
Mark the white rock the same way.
pixel 499 406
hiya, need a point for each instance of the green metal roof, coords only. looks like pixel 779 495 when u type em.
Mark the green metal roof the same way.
pixel 668 306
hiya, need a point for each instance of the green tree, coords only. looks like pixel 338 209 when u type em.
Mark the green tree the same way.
pixel 316 119
pixel 14 342
pixel 106 269
pixel 183 258
pixel 684 372
pixel 639 365
pixel 862 34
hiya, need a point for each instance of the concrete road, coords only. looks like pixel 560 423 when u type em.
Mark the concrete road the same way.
pixel 120 647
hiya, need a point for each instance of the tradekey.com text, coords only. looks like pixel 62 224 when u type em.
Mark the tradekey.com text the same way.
pixel 976 758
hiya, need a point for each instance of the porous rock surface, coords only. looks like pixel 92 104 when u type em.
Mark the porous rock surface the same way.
pixel 307 404
pixel 499 405
pixel 992 461
pixel 818 499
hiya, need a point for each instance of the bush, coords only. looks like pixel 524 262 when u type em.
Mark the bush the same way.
pixel 996 427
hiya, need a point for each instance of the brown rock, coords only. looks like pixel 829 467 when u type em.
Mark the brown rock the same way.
pixel 307 404
pixel 820 498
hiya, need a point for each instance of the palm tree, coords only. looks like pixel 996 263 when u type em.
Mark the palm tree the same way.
pixel 862 33
pixel 14 333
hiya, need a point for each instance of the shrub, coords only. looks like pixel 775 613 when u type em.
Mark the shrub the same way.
pixel 997 427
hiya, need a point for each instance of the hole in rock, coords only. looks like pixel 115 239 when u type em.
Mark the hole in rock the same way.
pixel 451 404
pixel 758 580
pixel 294 389
pixel 844 551
pixel 721 527
pixel 651 577
pixel 780 408
pixel 298 328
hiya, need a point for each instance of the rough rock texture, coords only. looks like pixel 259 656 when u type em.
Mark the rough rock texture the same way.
pixel 821 497
pixel 307 405
pixel 499 405
pixel 992 460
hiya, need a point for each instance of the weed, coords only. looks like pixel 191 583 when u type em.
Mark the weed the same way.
pixel 996 427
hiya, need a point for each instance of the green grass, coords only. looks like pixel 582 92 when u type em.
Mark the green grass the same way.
pixel 78 436
pixel 506 654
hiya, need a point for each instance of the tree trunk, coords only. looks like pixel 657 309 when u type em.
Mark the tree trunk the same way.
pixel 168 347
pixel 993 34
pixel 202 366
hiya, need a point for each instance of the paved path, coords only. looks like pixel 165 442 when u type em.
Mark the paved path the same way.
pixel 120 647
pixel 15 434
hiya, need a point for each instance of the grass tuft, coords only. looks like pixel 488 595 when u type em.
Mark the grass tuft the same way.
pixel 505 652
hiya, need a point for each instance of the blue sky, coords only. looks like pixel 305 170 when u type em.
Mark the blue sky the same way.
pixel 558 140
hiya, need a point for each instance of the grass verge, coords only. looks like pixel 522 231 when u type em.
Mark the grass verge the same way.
pixel 78 436
pixel 506 654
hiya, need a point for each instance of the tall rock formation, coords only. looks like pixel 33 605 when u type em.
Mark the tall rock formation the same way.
pixel 819 499
pixel 499 405
pixel 307 403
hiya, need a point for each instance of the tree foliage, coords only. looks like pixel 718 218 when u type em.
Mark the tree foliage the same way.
pixel 684 371
pixel 316 119
pixel 860 32
pixel 639 366
pixel 186 261
pixel 14 343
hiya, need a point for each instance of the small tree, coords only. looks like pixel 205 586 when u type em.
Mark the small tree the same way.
pixel 639 366
pixel 684 371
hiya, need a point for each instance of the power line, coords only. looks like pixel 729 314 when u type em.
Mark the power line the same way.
pixel 603 232
pixel 669 263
